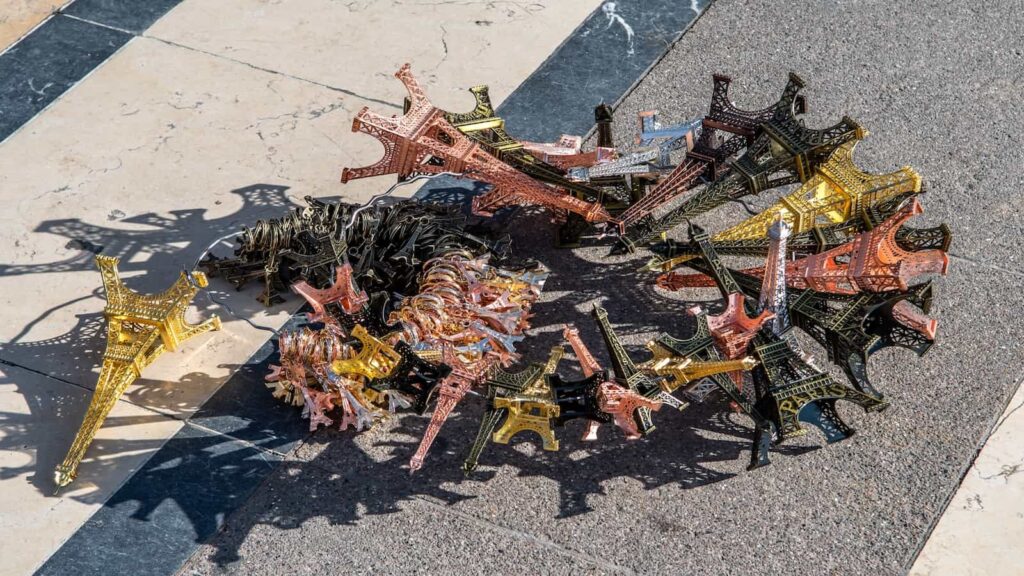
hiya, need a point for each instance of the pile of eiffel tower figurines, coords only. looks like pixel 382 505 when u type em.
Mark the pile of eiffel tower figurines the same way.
pixel 410 308
pixel 840 264
pixel 439 321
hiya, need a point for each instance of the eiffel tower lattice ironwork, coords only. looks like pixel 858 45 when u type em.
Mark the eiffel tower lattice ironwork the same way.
pixel 702 345
pixel 837 192
pixel 422 141
pixel 708 158
pixel 452 388
pixel 814 241
pixel 526 402
pixel 789 389
pixel 784 153
pixel 482 125
pixel 140 327
pixel 853 327
pixel 626 371
pixel 872 261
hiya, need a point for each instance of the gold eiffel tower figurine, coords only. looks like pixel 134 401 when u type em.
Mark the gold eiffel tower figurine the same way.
pixel 375 359
pixel 680 371
pixel 533 408
pixel 139 328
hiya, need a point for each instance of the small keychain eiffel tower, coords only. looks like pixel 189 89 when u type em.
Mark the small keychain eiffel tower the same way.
pixel 139 328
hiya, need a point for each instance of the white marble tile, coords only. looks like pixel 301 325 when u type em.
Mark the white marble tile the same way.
pixel 982 530
pixel 358 45
pixel 151 158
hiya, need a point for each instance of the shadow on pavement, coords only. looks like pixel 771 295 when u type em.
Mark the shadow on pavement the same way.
pixel 169 244
pixel 205 474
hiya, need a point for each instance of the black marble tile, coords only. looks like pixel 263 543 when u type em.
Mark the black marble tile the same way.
pixel 131 15
pixel 43 65
pixel 180 498
pixel 245 409
pixel 598 63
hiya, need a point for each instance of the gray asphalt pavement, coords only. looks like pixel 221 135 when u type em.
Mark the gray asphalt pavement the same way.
pixel 938 85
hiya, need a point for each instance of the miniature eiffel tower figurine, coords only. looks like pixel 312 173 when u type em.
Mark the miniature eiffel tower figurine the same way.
pixel 773 286
pixel 533 408
pixel 139 328
pixel 630 376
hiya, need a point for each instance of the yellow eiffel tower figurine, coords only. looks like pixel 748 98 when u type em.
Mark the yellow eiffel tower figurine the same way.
pixel 139 328
pixel 680 371
pixel 375 359
pixel 533 408
pixel 838 191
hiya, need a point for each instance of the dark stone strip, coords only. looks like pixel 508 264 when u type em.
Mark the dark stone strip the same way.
pixel 179 499
pixel 43 65
pixel 132 15
pixel 56 55
pixel 599 63
pixel 184 492
pixel 244 408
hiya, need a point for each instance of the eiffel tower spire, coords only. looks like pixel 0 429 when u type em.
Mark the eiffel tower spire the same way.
pixel 773 285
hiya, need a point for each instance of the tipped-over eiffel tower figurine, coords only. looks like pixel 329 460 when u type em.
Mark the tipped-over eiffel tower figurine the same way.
pixel 139 328
pixel 526 402
pixel 423 141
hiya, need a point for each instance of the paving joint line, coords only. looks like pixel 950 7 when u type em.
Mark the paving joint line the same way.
pixel 271 71
pixel 100 24
pixel 90 390
pixel 43 374
pixel 529 536
pixel 976 262
pixel 248 443
pixel 995 422
pixel 183 419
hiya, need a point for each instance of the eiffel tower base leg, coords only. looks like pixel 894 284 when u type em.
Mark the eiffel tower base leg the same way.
pixel 763 435
pixel 487 425
pixel 113 381
pixel 624 245
pixel 570 233
pixel 857 372
pixel 823 415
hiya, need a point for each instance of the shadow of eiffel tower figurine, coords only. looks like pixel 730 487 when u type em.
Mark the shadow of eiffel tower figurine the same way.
pixel 140 327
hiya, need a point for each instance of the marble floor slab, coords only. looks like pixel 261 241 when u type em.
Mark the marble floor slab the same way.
pixel 982 528
pixel 193 147
pixel 38 419
pixel 357 46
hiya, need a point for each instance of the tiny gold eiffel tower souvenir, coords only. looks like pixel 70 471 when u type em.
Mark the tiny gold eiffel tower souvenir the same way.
pixel 139 328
